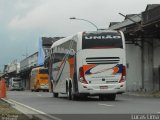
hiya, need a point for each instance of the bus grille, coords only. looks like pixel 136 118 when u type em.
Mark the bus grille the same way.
pixel 102 60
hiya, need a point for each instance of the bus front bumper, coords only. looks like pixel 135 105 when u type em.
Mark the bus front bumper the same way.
pixel 44 87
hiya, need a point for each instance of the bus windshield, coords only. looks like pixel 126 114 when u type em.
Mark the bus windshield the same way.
pixel 101 40
pixel 16 79
pixel 43 71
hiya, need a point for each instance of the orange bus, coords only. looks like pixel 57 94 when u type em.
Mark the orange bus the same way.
pixel 39 79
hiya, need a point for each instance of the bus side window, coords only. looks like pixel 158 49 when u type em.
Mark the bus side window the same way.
pixel 74 46
pixel 10 81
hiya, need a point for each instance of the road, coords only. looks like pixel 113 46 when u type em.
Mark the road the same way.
pixel 124 104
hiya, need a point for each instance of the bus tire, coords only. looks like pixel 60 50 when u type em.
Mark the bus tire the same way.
pixel 111 97
pixel 69 91
pixel 67 87
pixel 74 97
pixel 55 95
pixel 101 97
pixel 37 90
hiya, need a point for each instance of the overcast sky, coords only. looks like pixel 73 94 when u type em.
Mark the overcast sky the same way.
pixel 23 22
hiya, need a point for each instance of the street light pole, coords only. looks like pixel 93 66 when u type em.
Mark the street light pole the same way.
pixel 74 18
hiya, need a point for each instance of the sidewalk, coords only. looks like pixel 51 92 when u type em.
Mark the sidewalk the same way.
pixel 145 94
pixel 7 112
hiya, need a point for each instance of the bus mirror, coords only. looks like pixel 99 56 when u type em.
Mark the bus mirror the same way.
pixel 72 52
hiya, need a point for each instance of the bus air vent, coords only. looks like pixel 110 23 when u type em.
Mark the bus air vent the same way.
pixel 102 60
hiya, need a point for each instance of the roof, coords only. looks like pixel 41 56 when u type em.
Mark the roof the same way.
pixel 136 17
pixel 129 16
pixel 113 23
pixel 48 41
pixel 151 6
pixel 60 41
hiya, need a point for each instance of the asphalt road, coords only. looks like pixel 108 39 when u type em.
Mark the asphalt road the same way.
pixel 124 104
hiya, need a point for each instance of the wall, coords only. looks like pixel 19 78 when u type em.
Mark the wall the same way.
pixel 26 66
pixel 156 66
pixel 29 61
pixel 33 60
pixel 134 71
pixel 13 67
pixel 143 76
pixel 148 65
pixel 23 64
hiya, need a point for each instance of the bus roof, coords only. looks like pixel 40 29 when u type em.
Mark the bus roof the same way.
pixel 60 41
pixel 99 31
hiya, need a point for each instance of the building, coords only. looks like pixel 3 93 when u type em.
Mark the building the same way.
pixel 11 70
pixel 142 48
pixel 36 59
pixel 44 46
pixel 26 66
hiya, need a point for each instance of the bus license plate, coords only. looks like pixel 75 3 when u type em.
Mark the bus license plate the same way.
pixel 103 87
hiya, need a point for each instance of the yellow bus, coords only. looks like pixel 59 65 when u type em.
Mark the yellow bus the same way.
pixel 39 79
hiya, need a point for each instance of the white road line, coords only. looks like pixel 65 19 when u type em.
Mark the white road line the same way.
pixel 39 95
pixel 126 99
pixel 33 109
pixel 26 106
pixel 105 105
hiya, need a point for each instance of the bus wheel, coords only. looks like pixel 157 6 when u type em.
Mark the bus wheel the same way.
pixel 111 97
pixel 74 97
pixel 37 90
pixel 69 91
pixel 46 90
pixel 55 95
pixel 101 97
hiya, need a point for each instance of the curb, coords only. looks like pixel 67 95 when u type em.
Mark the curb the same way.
pixel 143 94
pixel 30 112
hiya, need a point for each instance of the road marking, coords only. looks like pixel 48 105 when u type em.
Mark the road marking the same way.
pixel 39 95
pixel 26 106
pixel 126 99
pixel 105 105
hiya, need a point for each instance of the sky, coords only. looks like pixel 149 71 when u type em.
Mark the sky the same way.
pixel 24 22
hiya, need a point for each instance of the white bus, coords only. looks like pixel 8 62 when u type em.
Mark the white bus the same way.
pixel 89 64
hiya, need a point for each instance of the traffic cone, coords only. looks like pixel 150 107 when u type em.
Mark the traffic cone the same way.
pixel 2 89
